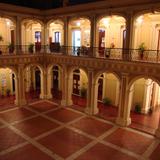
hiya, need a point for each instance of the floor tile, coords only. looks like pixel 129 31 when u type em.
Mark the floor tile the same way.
pixel 129 140
pixel 27 152
pixel 102 152
pixel 156 154
pixel 43 106
pixel 64 115
pixel 16 115
pixel 36 126
pixel 64 142
pixel 8 138
pixel 92 126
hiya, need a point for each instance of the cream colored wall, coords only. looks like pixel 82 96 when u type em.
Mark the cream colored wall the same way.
pixel 138 92
pixel 111 88
pixel 28 33
pixel 85 33
pixel 113 33
pixel 5 31
pixel 5 80
pixel 56 28
pixel 147 32
pixel 83 79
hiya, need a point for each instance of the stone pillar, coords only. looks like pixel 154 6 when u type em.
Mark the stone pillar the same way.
pixel 43 94
pixel 49 81
pixel 147 96
pixel 18 35
pixel 20 88
pixel 123 118
pixel 92 95
pixel 129 36
pixel 66 23
pixel 43 37
pixel 93 36
pixel 67 85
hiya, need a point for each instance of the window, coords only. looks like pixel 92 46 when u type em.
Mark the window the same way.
pixel 38 36
pixel 57 37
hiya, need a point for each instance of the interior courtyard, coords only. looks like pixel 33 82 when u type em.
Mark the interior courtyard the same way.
pixel 80 86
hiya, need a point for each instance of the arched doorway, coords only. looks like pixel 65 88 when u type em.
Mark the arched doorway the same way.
pixel 146 37
pixel 7 88
pixel 33 83
pixel 7 36
pixel 108 96
pixel 111 36
pixel 79 36
pixel 55 35
pixel 79 89
pixel 145 105
pixel 31 36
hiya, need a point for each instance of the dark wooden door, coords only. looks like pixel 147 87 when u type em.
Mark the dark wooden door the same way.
pixel 38 79
pixel 101 42
pixel 100 89
pixel 76 82
pixel 13 82
pixel 55 80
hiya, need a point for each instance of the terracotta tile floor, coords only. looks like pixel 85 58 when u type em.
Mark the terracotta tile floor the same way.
pixel 36 126
pixel 102 152
pixel 65 142
pixel 156 154
pixel 83 138
pixel 9 138
pixel 129 140
pixel 16 114
pixel 88 124
pixel 64 115
pixel 27 152
pixel 43 106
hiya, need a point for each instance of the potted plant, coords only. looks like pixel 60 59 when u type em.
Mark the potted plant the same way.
pixel 1 39
pixel 30 47
pixel 141 49
pixel 8 91
pixel 107 101
pixel 83 92
pixel 137 108
pixel 11 47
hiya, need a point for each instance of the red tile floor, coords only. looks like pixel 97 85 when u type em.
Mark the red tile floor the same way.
pixel 46 131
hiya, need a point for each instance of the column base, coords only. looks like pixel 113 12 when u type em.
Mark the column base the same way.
pixel 49 96
pixel 22 102
pixel 66 102
pixel 144 110
pixel 157 133
pixel 91 111
pixel 42 96
pixel 123 122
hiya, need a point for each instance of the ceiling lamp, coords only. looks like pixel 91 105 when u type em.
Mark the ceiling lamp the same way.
pixel 78 23
pixel 139 20
pixel 106 21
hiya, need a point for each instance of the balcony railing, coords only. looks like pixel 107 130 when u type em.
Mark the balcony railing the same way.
pixel 150 56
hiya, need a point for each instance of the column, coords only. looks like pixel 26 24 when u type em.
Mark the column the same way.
pixel 123 118
pixel 157 133
pixel 49 79
pixel 92 94
pixel 44 37
pixel 147 96
pixel 67 85
pixel 43 94
pixel 66 23
pixel 20 88
pixel 129 36
pixel 18 34
pixel 93 36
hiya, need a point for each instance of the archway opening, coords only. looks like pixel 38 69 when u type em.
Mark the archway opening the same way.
pixel 31 36
pixel 146 37
pixel 79 37
pixel 55 35
pixel 7 36
pixel 32 83
pixel 56 84
pixel 7 88
pixel 108 96
pixel 79 90
pixel 111 36
pixel 144 102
